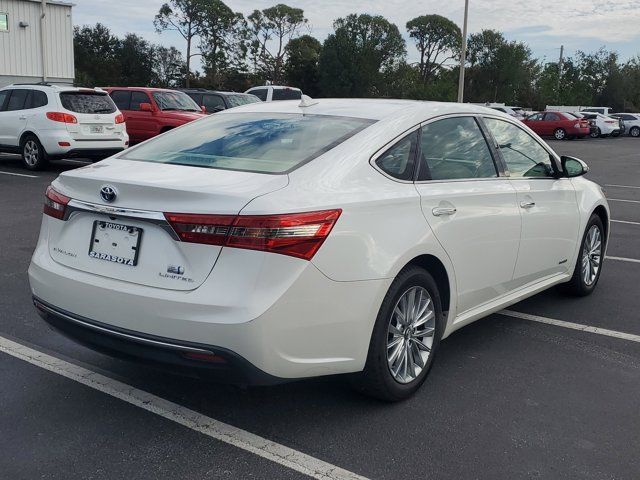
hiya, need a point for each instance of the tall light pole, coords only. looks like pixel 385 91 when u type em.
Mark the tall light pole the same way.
pixel 463 53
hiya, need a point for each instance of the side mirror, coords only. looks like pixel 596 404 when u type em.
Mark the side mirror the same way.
pixel 203 108
pixel 573 167
pixel 146 107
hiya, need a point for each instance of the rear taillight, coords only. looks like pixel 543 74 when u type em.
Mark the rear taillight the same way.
pixel 295 234
pixel 61 117
pixel 119 118
pixel 55 203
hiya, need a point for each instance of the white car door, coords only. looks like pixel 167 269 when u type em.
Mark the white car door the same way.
pixel 13 118
pixel 471 209
pixel 548 204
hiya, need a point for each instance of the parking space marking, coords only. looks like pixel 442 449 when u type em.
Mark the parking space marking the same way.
pixel 622 186
pixel 623 259
pixel 19 174
pixel 625 221
pixel 223 432
pixel 574 326
pixel 622 200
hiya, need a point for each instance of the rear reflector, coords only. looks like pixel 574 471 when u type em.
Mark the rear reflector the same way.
pixel 55 203
pixel 295 234
pixel 61 117
pixel 64 144
pixel 204 357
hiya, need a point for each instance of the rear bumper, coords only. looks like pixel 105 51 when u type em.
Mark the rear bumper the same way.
pixel 92 153
pixel 185 358
pixel 85 148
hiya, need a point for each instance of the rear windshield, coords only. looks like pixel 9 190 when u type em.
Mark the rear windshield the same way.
pixel 175 101
pixel 286 94
pixel 263 143
pixel 87 102
pixel 242 99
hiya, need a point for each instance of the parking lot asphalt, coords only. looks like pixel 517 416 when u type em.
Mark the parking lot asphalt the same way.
pixel 507 397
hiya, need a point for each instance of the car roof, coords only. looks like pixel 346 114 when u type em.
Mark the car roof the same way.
pixel 373 109
pixel 206 90
pixel 55 87
pixel 145 89
pixel 276 87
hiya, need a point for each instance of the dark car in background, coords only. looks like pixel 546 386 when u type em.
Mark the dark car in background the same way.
pixel 215 101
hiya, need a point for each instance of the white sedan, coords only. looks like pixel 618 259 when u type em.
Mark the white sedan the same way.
pixel 277 241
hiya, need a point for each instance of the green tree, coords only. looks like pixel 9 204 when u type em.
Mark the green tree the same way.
pixel 96 53
pixel 354 56
pixel 168 67
pixel 303 56
pixel 136 58
pixel 186 18
pixel 271 31
pixel 437 39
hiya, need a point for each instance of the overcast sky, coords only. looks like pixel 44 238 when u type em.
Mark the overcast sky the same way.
pixel 543 25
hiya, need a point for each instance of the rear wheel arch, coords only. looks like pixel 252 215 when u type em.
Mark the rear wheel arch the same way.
pixel 26 134
pixel 438 271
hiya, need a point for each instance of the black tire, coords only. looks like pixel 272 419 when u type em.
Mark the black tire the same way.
pixel 596 133
pixel 577 285
pixel 376 379
pixel 634 132
pixel 559 134
pixel 615 134
pixel 33 154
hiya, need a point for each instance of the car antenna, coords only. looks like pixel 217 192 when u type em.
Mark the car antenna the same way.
pixel 307 101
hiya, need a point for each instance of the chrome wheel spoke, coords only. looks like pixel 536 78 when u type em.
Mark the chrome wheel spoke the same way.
pixel 591 255
pixel 421 345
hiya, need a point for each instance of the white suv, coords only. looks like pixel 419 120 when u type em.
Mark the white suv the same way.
pixel 44 122
pixel 272 93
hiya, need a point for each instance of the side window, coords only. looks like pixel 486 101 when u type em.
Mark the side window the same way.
pixel 399 160
pixel 121 99
pixel 196 97
pixel 551 117
pixel 213 103
pixel 261 93
pixel 455 148
pixel 4 96
pixel 286 94
pixel 39 99
pixel 524 156
pixel 137 98
pixel 536 117
pixel 4 25
pixel 17 99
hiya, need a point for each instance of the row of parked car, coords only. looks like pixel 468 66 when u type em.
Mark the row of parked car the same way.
pixel 593 122
pixel 44 121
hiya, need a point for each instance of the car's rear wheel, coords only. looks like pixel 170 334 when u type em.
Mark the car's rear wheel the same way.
pixel 595 133
pixel 559 133
pixel 589 264
pixel 405 337
pixel 615 134
pixel 635 132
pixel 33 155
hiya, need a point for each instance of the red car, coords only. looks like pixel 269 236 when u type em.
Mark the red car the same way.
pixel 560 125
pixel 151 111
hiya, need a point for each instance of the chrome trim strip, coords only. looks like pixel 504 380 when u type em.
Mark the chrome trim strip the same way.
pixel 157 218
pixel 146 341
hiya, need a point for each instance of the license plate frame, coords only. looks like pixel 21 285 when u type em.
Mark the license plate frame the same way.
pixel 96 129
pixel 101 231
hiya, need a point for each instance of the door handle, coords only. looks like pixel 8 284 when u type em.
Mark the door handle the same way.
pixel 528 204
pixel 442 211
pixel 22 117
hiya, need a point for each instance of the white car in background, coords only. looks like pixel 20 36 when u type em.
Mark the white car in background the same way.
pixel 516 112
pixel 605 126
pixel 273 93
pixel 43 122
pixel 278 241
pixel 631 122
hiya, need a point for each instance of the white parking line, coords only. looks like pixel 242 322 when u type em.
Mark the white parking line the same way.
pixel 574 326
pixel 224 432
pixel 623 259
pixel 622 186
pixel 625 221
pixel 19 174
pixel 622 200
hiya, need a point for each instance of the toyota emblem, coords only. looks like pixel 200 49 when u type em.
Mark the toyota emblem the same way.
pixel 108 193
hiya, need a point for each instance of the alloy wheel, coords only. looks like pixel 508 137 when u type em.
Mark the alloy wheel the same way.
pixel 410 334
pixel 591 255
pixel 635 132
pixel 559 134
pixel 31 152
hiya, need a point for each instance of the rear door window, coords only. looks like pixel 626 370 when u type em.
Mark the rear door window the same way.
pixel 286 94
pixel 551 117
pixel 454 149
pixel 87 102
pixel 4 96
pixel 213 103
pixel 261 93
pixel 196 97
pixel 38 99
pixel 17 99
pixel 121 98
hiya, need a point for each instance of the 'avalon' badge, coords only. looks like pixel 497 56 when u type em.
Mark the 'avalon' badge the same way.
pixel 108 193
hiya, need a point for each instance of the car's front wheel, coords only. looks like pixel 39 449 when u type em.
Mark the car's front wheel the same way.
pixel 635 132
pixel 590 258
pixel 33 155
pixel 559 134
pixel 405 337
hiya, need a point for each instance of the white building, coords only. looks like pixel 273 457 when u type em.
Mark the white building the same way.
pixel 36 47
